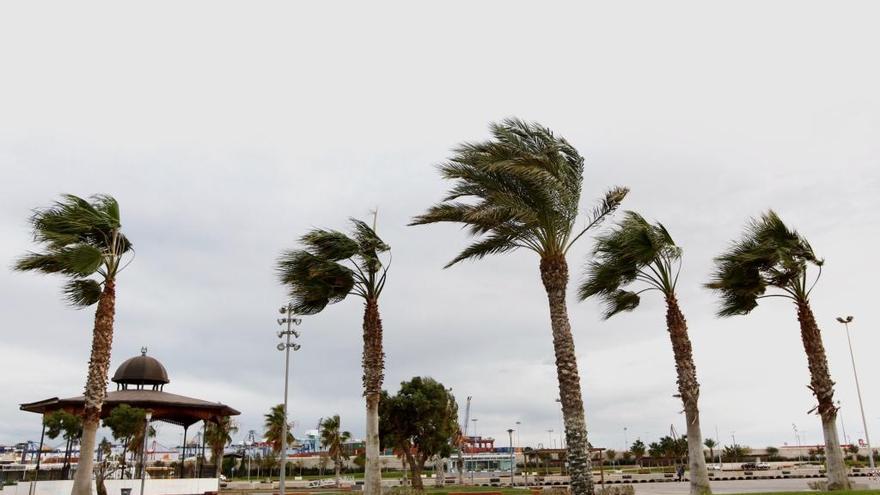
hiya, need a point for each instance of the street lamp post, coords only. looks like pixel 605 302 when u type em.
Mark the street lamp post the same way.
pixel 147 418
pixel 512 455
pixel 797 435
pixel 285 346
pixel 846 321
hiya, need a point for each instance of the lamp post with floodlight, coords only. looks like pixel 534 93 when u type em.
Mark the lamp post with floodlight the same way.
pixel 286 346
pixel 846 321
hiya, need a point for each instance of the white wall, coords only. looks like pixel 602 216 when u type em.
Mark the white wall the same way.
pixel 153 487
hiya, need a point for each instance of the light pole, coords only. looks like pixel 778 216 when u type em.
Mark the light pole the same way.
pixel 285 346
pixel 798 437
pixel 475 426
pixel 846 321
pixel 512 455
pixel 147 418
pixel 842 425
pixel 625 440
pixel 519 447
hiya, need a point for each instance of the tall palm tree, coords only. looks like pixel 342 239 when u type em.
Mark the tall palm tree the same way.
pixel 637 252
pixel 522 189
pixel 273 423
pixel 334 439
pixel 82 240
pixel 218 435
pixel 330 266
pixel 772 256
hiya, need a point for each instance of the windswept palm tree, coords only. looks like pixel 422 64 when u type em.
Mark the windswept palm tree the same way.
pixel 770 256
pixel 331 266
pixel 334 439
pixel 636 252
pixel 218 435
pixel 273 423
pixel 82 240
pixel 522 189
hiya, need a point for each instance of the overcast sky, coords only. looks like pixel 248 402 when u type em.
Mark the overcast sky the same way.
pixel 227 131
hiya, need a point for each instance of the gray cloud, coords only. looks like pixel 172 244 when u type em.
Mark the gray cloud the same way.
pixel 227 133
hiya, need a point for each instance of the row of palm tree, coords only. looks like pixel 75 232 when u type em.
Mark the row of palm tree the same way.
pixel 521 189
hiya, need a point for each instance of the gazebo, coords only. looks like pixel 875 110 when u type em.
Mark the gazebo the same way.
pixel 140 382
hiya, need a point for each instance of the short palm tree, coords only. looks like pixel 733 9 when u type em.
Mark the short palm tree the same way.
pixel 82 240
pixel 334 439
pixel 770 256
pixel 331 266
pixel 218 435
pixel 637 252
pixel 522 189
pixel 710 444
pixel 274 423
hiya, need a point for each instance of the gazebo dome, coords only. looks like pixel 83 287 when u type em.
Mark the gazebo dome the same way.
pixel 140 371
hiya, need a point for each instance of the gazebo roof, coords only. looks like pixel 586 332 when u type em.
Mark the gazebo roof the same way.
pixel 142 370
pixel 171 408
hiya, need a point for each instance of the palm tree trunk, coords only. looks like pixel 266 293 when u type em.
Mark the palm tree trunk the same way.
pixel 554 275
pixel 689 391
pixel 373 365
pixel 218 459
pixel 336 466
pixel 96 386
pixel 823 388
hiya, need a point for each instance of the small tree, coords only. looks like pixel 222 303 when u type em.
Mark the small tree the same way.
pixel 772 453
pixel 218 435
pixel 274 423
pixel 70 427
pixel 104 466
pixel 638 451
pixel 710 444
pixel 420 421
pixel 611 455
pixel 126 424
pixel 335 439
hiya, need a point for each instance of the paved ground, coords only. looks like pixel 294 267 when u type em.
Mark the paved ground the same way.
pixel 741 486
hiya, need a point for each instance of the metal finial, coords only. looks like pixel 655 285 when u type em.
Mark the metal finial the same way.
pixel 143 351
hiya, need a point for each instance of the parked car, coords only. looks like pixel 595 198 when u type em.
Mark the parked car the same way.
pixel 715 467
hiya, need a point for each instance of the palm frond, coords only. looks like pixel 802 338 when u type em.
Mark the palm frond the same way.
pixel 82 292
pixel 620 301
pixel 313 282
pixel 329 245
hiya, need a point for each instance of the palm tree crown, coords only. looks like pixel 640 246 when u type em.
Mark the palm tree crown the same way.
pixel 333 265
pixel 333 438
pixel 769 255
pixel 634 251
pixel 274 422
pixel 520 190
pixel 81 239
